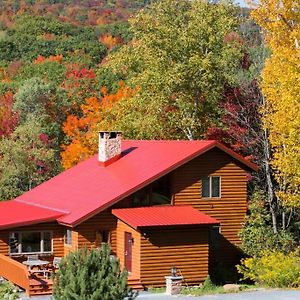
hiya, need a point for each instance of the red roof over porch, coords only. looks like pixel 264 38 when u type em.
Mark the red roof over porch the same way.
pixel 15 213
pixel 168 215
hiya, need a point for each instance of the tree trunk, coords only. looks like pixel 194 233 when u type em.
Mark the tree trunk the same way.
pixel 270 187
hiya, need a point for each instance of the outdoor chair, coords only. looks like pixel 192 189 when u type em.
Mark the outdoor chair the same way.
pixel 56 262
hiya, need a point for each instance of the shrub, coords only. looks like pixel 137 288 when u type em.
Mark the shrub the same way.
pixel 91 275
pixel 208 285
pixel 273 269
pixel 257 234
pixel 8 291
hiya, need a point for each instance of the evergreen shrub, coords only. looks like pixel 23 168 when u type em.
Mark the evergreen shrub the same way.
pixel 91 275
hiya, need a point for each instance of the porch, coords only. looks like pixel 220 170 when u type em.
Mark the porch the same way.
pixel 34 283
pixel 153 240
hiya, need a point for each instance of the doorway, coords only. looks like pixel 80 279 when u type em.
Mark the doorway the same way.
pixel 128 251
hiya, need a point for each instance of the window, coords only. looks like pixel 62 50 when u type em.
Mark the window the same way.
pixel 211 187
pixel 105 236
pixel 68 237
pixel 30 242
pixel 157 193
pixel 102 236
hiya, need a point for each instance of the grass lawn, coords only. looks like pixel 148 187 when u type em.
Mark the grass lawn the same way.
pixel 157 290
pixel 211 289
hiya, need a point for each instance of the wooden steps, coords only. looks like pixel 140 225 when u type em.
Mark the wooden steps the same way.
pixel 40 287
pixel 135 284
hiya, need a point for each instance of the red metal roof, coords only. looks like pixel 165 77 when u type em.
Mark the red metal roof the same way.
pixel 87 188
pixel 14 213
pixel 163 216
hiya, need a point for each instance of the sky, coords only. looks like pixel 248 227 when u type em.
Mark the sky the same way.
pixel 241 3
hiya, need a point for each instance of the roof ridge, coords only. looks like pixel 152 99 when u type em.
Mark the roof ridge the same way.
pixel 40 206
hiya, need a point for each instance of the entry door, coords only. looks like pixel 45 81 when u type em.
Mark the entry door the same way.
pixel 128 251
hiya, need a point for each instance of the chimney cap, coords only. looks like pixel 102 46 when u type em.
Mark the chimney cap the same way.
pixel 110 134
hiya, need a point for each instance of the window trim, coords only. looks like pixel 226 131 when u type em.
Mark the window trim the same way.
pixel 19 247
pixel 210 187
pixel 67 241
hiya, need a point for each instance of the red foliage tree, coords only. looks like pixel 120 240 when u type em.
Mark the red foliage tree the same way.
pixel 8 118
pixel 241 128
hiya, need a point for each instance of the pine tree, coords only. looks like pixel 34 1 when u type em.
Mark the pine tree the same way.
pixel 91 275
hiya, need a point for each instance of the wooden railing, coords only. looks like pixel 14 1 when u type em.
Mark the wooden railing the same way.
pixel 14 271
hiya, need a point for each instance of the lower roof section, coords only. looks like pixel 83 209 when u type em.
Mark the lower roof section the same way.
pixel 15 213
pixel 167 215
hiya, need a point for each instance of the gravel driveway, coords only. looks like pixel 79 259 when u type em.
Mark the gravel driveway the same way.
pixel 254 295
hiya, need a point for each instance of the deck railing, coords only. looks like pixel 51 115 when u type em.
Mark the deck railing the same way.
pixel 14 271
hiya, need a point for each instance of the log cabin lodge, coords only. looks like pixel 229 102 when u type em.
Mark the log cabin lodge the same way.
pixel 159 204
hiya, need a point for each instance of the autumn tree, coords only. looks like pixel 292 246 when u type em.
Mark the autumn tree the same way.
pixel 97 114
pixel 280 84
pixel 8 118
pixel 180 58
pixel 79 83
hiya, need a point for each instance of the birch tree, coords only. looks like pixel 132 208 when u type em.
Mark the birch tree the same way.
pixel 182 55
pixel 280 21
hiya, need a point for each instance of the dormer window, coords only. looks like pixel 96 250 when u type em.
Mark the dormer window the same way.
pixel 157 193
pixel 211 187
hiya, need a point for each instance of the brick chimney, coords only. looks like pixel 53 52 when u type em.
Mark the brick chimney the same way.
pixel 109 147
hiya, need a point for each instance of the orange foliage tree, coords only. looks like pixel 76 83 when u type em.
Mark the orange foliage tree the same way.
pixel 51 58
pixel 110 41
pixel 82 132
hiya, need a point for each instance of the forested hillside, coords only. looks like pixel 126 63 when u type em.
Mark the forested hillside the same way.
pixel 175 69
pixel 77 12
pixel 51 54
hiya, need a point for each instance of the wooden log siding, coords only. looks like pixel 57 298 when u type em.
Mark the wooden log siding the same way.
pixel 74 246
pixel 57 236
pixel 100 222
pixel 230 209
pixel 162 248
pixel 4 242
pixel 136 247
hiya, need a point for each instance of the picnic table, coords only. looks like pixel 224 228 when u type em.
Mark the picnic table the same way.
pixel 36 263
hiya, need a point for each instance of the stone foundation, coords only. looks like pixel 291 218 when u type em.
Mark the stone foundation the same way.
pixel 173 285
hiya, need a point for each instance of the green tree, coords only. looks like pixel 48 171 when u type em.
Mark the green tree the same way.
pixel 45 102
pixel 53 72
pixel 257 234
pixel 26 160
pixel 34 36
pixel 182 55
pixel 91 275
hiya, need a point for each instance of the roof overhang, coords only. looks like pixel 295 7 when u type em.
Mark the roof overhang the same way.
pixel 17 214
pixel 164 215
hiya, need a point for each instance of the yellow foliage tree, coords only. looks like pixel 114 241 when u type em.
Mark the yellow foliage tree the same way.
pixel 280 20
